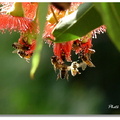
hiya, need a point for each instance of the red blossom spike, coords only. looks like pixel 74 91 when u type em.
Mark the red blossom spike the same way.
pixel 48 33
pixel 86 46
pixel 10 19
pixel 78 46
pixel 63 48
pixel 21 24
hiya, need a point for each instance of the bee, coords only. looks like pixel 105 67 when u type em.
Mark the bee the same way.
pixel 63 72
pixel 86 60
pixel 55 63
pixel 76 45
pixel 74 68
pixel 21 50
pixel 20 46
pixel 22 54
pixel 63 68
pixel 90 51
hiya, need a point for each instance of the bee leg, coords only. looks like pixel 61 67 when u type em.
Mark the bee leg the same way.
pixel 54 68
pixel 28 60
pixel 67 77
pixel 89 56
pixel 58 76
pixel 78 72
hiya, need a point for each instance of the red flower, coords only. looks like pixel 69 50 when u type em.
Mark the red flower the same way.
pixel 9 21
pixel 20 17
pixel 47 35
pixel 63 51
pixel 21 24
pixel 83 44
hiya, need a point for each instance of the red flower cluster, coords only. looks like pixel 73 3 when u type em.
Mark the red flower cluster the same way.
pixel 22 17
pixel 62 51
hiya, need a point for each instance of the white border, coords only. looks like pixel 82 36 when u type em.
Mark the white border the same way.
pixel 20 117
pixel 59 118
pixel 59 0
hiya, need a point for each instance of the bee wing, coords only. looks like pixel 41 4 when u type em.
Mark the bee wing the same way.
pixel 91 64
pixel 14 51
pixel 83 65
pixel 28 60
pixel 68 68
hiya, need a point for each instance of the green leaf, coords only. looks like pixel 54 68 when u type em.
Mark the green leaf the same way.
pixel 110 13
pixel 42 12
pixel 77 24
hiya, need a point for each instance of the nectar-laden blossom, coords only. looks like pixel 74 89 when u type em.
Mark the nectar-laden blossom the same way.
pixel 22 17
pixel 62 51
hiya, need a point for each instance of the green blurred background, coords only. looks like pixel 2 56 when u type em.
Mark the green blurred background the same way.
pixel 85 94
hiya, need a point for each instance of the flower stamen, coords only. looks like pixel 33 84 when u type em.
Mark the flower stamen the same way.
pixel 54 14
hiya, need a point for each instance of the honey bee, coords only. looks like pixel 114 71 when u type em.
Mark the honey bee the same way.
pixel 63 72
pixel 22 54
pixel 76 45
pixel 90 51
pixel 20 46
pixel 86 58
pixel 87 61
pixel 55 63
pixel 74 68
pixel 21 50
pixel 63 68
